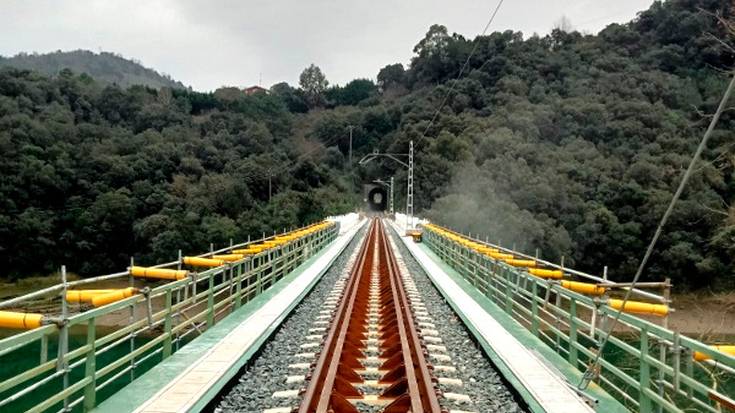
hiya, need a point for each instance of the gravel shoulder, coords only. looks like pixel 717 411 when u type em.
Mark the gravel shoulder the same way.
pixel 481 380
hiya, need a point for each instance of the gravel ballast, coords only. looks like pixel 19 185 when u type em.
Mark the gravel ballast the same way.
pixel 481 380
pixel 268 372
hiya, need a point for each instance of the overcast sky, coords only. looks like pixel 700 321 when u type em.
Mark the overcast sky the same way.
pixel 207 44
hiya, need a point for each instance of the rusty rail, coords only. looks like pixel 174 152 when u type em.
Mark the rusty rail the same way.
pixel 373 317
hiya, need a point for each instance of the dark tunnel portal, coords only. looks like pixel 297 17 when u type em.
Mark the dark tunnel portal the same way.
pixel 377 199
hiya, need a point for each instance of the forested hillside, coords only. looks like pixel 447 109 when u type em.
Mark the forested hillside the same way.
pixel 569 143
pixel 104 67
pixel 93 174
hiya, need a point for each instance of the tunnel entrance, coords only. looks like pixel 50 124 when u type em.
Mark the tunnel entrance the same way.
pixel 376 198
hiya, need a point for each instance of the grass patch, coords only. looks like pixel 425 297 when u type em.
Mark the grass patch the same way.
pixel 10 289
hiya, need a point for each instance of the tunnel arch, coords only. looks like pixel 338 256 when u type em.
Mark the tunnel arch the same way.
pixel 377 199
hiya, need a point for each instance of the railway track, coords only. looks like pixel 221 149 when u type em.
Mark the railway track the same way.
pixel 365 341
pixel 372 353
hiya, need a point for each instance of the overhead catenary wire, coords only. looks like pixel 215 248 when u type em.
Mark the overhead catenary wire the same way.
pixel 289 165
pixel 589 373
pixel 459 75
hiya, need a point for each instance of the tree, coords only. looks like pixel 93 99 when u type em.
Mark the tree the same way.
pixel 568 143
pixel 313 83
pixel 292 97
pixel 438 56
pixel 391 76
pixel 354 92
pixel 564 24
pixel 434 43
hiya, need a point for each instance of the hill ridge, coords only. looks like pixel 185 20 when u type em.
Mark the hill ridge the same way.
pixel 106 67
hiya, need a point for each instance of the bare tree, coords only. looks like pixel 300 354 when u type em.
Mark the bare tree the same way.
pixel 564 24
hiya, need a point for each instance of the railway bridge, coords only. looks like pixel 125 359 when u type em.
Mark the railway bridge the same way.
pixel 355 314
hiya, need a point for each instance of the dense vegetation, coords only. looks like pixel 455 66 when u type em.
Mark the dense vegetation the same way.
pixel 93 174
pixel 104 67
pixel 569 143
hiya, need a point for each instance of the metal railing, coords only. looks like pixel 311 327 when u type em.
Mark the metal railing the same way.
pixel 164 318
pixel 645 366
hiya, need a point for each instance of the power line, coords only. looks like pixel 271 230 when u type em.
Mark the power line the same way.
pixel 589 374
pixel 461 72
pixel 293 163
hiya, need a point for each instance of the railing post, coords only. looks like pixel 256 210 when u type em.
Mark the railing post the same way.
pixel 508 292
pixel 210 302
pixel 557 319
pixel 573 352
pixel 178 300
pixel 44 348
pixel 645 374
pixel 62 363
pixel 90 367
pixel 496 277
pixel 534 308
pixel 259 277
pixel 131 320
pixel 661 374
pixel 166 350
pixel 238 285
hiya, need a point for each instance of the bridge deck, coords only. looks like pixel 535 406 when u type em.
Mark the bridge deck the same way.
pixel 542 388
pixel 190 378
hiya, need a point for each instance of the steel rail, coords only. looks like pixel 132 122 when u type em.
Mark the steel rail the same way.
pixel 324 372
pixel 421 392
pixel 425 393
pixel 374 282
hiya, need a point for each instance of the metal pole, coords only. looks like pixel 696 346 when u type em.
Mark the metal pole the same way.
pixel 270 185
pixel 131 320
pixel 409 194
pixel 178 300
pixel 62 363
pixel 391 195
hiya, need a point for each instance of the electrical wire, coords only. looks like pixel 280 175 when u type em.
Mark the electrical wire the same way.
pixel 590 373
pixel 291 164
pixel 461 72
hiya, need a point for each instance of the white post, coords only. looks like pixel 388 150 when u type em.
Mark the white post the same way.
pixel 409 193
pixel 391 195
